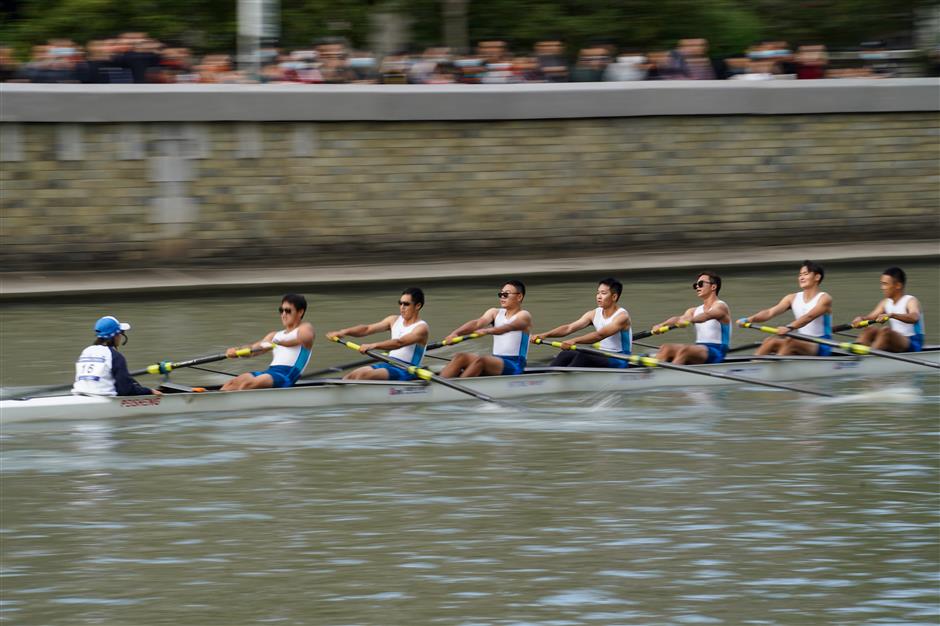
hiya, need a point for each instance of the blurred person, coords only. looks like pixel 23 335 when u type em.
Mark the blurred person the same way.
pixel 423 69
pixel 333 55
pixel 139 55
pixel 736 67
pixel 627 66
pixel 756 70
pixel 590 66
pixel 611 328
pixel 662 67
pixel 812 313
pixel 9 67
pixel 509 324
pixel 876 59
pixel 363 67
pixel 470 69
pixel 525 69
pixel 394 69
pixel 811 61
pixel 905 330
pixel 101 370
pixel 550 56
pixel 691 61
pixel 712 320
pixel 409 339
pixel 291 347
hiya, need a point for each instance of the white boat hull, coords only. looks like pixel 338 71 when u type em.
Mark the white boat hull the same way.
pixel 328 393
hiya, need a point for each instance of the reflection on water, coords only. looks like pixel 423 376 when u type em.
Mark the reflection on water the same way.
pixel 698 506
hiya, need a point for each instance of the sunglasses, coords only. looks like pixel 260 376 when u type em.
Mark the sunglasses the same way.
pixel 403 303
pixel 701 284
pixel 506 294
pixel 284 309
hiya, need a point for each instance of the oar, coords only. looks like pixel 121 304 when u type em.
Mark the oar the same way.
pixel 420 372
pixel 163 367
pixel 659 330
pixel 348 366
pixel 854 348
pixel 647 361
pixel 756 344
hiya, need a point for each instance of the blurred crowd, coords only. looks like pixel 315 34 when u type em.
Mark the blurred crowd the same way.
pixel 134 57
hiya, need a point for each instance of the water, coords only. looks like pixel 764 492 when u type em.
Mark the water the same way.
pixel 685 506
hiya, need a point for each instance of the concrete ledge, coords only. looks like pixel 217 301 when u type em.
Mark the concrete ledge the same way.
pixel 35 285
pixel 263 103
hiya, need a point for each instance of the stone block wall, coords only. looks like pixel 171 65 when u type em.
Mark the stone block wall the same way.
pixel 81 196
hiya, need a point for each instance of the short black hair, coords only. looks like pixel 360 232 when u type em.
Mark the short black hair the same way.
pixel 897 274
pixel 417 296
pixel 713 277
pixel 299 302
pixel 517 284
pixel 815 268
pixel 615 285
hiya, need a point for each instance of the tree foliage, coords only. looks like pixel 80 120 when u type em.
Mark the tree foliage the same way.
pixel 729 25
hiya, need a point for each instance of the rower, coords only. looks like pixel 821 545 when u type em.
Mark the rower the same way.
pixel 509 324
pixel 611 328
pixel 101 370
pixel 712 321
pixel 905 330
pixel 812 312
pixel 291 347
pixel 408 342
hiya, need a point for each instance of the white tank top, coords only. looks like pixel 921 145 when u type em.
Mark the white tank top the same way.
pixel 409 354
pixel 93 372
pixel 295 357
pixel 712 331
pixel 819 327
pixel 903 328
pixel 620 341
pixel 515 343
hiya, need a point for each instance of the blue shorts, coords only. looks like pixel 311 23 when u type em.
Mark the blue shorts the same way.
pixel 917 343
pixel 395 373
pixel 512 365
pixel 716 352
pixel 824 350
pixel 618 363
pixel 282 375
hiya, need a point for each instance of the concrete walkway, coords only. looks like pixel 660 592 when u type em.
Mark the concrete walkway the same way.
pixel 25 285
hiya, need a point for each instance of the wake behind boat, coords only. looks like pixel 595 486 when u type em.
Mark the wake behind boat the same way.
pixel 180 399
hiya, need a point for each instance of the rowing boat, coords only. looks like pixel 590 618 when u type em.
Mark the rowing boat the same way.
pixel 179 399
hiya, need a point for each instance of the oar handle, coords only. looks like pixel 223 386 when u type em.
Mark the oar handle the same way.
pixel 165 367
pixel 414 370
pixel 854 348
pixel 450 342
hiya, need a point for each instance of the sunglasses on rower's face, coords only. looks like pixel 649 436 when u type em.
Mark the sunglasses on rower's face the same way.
pixel 403 303
pixel 284 309
pixel 701 284
pixel 505 294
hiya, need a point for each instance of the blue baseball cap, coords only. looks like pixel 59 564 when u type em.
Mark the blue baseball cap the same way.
pixel 108 326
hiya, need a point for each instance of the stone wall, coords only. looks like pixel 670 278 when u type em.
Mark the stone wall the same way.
pixel 79 196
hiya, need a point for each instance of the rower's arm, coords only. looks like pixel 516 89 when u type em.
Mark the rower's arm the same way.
pixel 567 329
pixel 877 312
pixel 363 330
pixel 416 335
pixel 473 325
pixel 911 316
pixel 619 322
pixel 305 336
pixel 675 319
pixel 822 307
pixel 718 312
pixel 259 347
pixel 774 311
pixel 522 321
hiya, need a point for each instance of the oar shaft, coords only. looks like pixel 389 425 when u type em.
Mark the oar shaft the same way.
pixel 854 348
pixel 420 372
pixel 450 342
pixel 659 330
pixel 646 361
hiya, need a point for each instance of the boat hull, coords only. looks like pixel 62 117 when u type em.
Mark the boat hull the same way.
pixel 544 381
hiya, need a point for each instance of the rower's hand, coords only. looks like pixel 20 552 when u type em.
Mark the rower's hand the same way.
pixel 881 319
pixel 856 321
pixel 536 338
pixel 332 335
pixel 156 392
pixel 449 338
pixel 783 330
pixel 741 322
pixel 566 345
pixel 230 353
pixel 366 347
